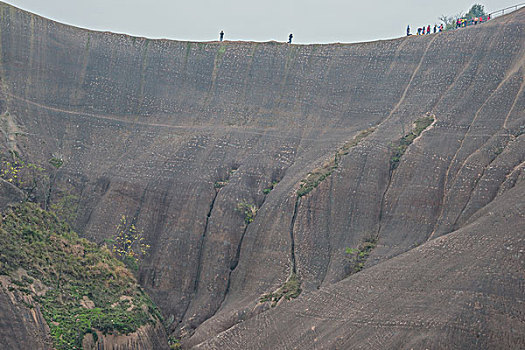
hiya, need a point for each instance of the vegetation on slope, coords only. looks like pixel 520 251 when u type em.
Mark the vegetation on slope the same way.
pixel 314 178
pixel 402 144
pixel 357 257
pixel 289 290
pixel 248 210
pixel 86 288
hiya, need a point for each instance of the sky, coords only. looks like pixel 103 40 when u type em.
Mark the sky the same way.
pixel 310 21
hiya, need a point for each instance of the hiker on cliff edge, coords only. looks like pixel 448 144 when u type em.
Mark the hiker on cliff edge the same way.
pixel 408 30
pixel 428 29
pixel 221 35
pixel 290 38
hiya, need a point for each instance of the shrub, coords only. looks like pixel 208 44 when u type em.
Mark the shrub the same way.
pixel 248 210
pixel 129 243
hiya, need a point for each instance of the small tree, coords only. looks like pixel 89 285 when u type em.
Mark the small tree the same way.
pixel 449 22
pixel 476 10
pixel 128 243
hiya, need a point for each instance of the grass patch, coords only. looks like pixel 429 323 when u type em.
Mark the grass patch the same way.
pixel 401 146
pixel 357 256
pixel 314 178
pixel 74 270
pixel 291 289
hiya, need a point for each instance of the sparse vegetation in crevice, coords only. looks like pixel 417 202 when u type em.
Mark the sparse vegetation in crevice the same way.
pixel 356 257
pixel 314 178
pixel 269 189
pixel 82 288
pixel 291 289
pixel 174 343
pixel 220 184
pixel 400 147
pixel 248 210
pixel 57 162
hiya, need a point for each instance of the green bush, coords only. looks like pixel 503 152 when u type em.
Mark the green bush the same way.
pixel 248 210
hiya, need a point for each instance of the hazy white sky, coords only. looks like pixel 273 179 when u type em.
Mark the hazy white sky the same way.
pixel 310 21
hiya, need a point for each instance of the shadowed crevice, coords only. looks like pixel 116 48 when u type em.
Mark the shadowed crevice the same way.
pixel 201 244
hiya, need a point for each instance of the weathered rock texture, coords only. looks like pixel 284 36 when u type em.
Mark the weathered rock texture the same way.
pixel 177 134
pixel 146 337
pixel 22 326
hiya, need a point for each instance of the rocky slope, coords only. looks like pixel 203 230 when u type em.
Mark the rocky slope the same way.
pixel 207 145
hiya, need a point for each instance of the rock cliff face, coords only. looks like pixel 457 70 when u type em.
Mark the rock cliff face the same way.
pixel 21 327
pixel 205 146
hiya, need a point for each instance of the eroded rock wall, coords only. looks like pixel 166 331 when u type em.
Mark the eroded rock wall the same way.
pixel 176 135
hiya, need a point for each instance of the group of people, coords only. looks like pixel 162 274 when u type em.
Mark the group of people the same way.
pixel 463 22
pixel 460 22
pixel 427 30
pixel 221 37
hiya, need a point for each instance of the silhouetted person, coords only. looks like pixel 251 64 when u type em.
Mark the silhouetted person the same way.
pixel 290 38
pixel 408 30
pixel 428 29
pixel 435 28
pixel 423 31
pixel 221 35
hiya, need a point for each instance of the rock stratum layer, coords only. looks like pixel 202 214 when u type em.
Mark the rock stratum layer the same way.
pixel 184 137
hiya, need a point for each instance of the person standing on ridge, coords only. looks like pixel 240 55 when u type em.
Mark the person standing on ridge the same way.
pixel 221 35
pixel 408 30
pixel 428 29
pixel 423 31
pixel 435 28
pixel 290 38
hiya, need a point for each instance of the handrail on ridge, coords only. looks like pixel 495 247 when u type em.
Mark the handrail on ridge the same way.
pixel 511 8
